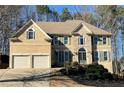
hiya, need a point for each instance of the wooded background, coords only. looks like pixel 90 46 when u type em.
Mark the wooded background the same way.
pixel 107 17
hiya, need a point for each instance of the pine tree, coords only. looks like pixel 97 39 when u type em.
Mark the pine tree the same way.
pixel 46 14
pixel 66 15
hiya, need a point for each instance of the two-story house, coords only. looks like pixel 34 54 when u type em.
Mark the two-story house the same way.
pixel 47 44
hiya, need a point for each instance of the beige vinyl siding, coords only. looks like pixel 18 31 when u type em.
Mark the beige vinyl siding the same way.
pixel 108 40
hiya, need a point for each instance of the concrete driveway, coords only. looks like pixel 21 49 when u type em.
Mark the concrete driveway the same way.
pixel 36 78
pixel 24 77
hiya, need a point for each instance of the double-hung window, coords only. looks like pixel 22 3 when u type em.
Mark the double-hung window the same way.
pixel 81 40
pixel 66 39
pixel 30 34
pixel 105 56
pixel 66 56
pixel 104 40
pixel 55 40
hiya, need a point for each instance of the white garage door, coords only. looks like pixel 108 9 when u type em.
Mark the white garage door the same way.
pixel 21 61
pixel 41 61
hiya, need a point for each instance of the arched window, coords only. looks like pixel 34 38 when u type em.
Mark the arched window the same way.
pixel 30 34
pixel 82 56
pixel 82 49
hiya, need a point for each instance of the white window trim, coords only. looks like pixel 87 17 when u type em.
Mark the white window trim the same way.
pixel 79 41
pixel 27 34
pixel 108 57
pixel 67 39
pixel 33 35
pixel 68 55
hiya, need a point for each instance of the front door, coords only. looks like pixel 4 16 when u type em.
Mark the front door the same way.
pixel 82 56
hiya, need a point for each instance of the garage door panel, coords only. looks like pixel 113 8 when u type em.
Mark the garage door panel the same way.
pixel 40 61
pixel 21 61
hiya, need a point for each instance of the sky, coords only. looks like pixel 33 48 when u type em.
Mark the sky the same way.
pixel 59 8
pixel 71 8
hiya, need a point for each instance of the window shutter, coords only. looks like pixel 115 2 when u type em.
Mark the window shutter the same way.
pixel 70 56
pixel 62 40
pixel 27 35
pixel 98 55
pixel 93 40
pixel 59 40
pixel 101 56
pixel 69 40
pixel 109 56
pixel 34 35
pixel 78 40
pixel 109 42
pixel 100 40
pixel 83 40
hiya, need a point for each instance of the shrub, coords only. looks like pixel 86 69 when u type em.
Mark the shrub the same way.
pixel 108 76
pixel 81 70
pixel 5 59
pixel 96 71
pixel 92 76
pixel 91 72
pixel 74 64
pixel 115 77
pixel 74 68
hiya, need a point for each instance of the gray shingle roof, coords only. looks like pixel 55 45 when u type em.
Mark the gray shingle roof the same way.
pixel 66 28
pixel 63 28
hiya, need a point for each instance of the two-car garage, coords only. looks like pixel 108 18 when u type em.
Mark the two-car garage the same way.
pixel 30 61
